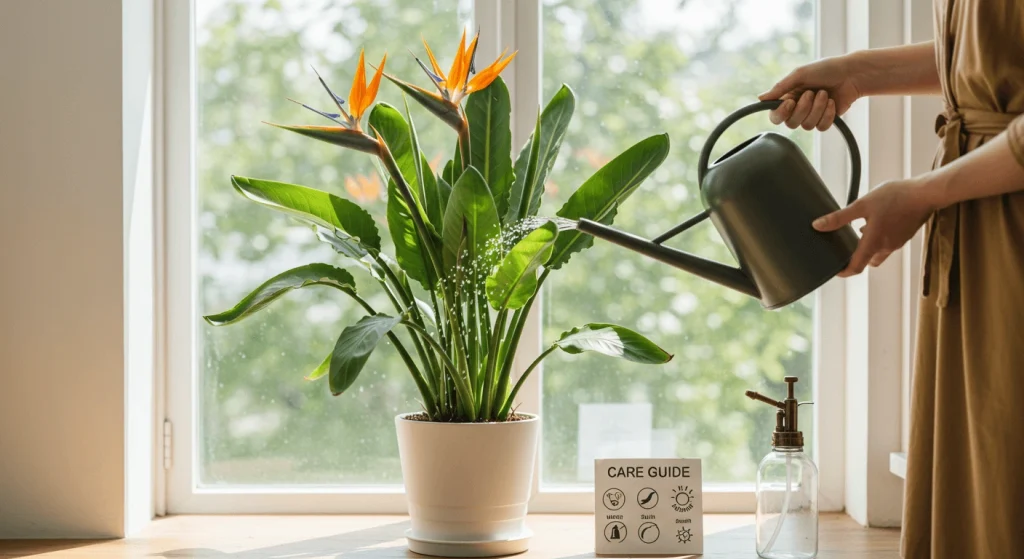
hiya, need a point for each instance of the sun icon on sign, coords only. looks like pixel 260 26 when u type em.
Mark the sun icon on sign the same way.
pixel 684 535
pixel 683 497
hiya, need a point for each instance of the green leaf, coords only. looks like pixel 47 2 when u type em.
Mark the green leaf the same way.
pixel 433 204
pixel 613 340
pixel 489 113
pixel 434 199
pixel 599 197
pixel 514 281
pixel 528 189
pixel 400 137
pixel 445 110
pixel 448 175
pixel 336 135
pixel 394 131
pixel 322 369
pixel 313 206
pixel 470 210
pixel 303 276
pixel 341 242
pixel 352 248
pixel 427 311
pixel 444 193
pixel 414 144
pixel 408 245
pixel 354 346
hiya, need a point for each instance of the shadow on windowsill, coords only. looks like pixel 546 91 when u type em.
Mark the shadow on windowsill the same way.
pixel 14 549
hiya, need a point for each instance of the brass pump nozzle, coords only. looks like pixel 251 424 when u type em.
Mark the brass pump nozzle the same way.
pixel 787 434
pixel 761 397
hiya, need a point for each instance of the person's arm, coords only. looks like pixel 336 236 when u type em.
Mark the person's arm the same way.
pixel 814 94
pixel 894 211
pixel 903 70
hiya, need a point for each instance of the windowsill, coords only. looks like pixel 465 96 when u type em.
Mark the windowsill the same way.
pixel 898 464
pixel 556 536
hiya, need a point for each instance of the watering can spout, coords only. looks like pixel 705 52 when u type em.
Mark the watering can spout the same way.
pixel 721 274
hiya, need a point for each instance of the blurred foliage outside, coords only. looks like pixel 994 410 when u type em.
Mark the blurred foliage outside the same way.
pixel 638 67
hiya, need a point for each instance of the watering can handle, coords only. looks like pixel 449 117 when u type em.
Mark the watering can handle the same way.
pixel 851 144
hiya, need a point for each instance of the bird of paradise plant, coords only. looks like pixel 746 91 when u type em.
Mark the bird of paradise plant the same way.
pixel 469 236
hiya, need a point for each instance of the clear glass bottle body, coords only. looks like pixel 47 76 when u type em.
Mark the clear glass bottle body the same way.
pixel 787 505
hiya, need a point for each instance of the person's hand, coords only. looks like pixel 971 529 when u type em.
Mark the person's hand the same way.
pixel 894 211
pixel 814 94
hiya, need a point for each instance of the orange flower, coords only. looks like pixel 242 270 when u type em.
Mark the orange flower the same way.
pixel 363 188
pixel 435 163
pixel 360 97
pixel 592 156
pixel 457 84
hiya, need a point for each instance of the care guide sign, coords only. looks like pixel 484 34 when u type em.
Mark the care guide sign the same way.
pixel 649 506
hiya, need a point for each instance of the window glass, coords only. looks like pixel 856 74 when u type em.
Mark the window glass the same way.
pixel 259 421
pixel 641 67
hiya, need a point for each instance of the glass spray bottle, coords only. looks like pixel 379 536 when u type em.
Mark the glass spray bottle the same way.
pixel 787 488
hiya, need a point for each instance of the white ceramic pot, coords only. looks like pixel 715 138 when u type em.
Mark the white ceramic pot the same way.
pixel 468 485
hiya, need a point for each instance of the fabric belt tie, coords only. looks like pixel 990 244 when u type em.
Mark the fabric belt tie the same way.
pixel 953 126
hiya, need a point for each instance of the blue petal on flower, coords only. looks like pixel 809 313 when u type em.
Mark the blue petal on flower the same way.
pixel 337 100
pixel 437 79
pixel 472 59
pixel 332 116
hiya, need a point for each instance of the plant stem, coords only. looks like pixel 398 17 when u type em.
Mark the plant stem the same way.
pixel 428 396
pixel 457 321
pixel 414 210
pixel 426 239
pixel 492 363
pixel 466 395
pixel 464 144
pixel 508 351
pixel 522 379
pixel 409 305
pixel 472 335
pixel 437 318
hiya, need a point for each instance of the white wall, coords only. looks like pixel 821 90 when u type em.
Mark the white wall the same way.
pixel 74 181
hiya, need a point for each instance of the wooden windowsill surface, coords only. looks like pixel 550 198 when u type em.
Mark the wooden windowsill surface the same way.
pixel 370 537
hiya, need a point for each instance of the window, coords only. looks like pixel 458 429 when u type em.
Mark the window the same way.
pixel 250 433
pixel 259 423
pixel 640 68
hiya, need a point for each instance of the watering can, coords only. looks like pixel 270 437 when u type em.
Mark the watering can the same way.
pixel 762 196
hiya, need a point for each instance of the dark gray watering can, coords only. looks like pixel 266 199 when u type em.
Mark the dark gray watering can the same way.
pixel 762 197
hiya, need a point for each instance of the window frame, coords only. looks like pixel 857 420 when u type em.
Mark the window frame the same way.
pixel 517 25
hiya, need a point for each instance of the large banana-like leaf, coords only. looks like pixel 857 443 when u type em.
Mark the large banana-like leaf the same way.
pixel 303 276
pixel 528 188
pixel 471 217
pixel 433 200
pixel 514 281
pixel 599 197
pixel 354 346
pixel 449 175
pixel 313 206
pixel 613 340
pixel 489 113
pixel 394 131
pixel 444 192
pixel 408 245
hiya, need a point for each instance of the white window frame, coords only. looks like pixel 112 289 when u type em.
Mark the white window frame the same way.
pixel 517 25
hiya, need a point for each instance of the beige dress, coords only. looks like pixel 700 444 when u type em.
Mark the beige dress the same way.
pixel 965 470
